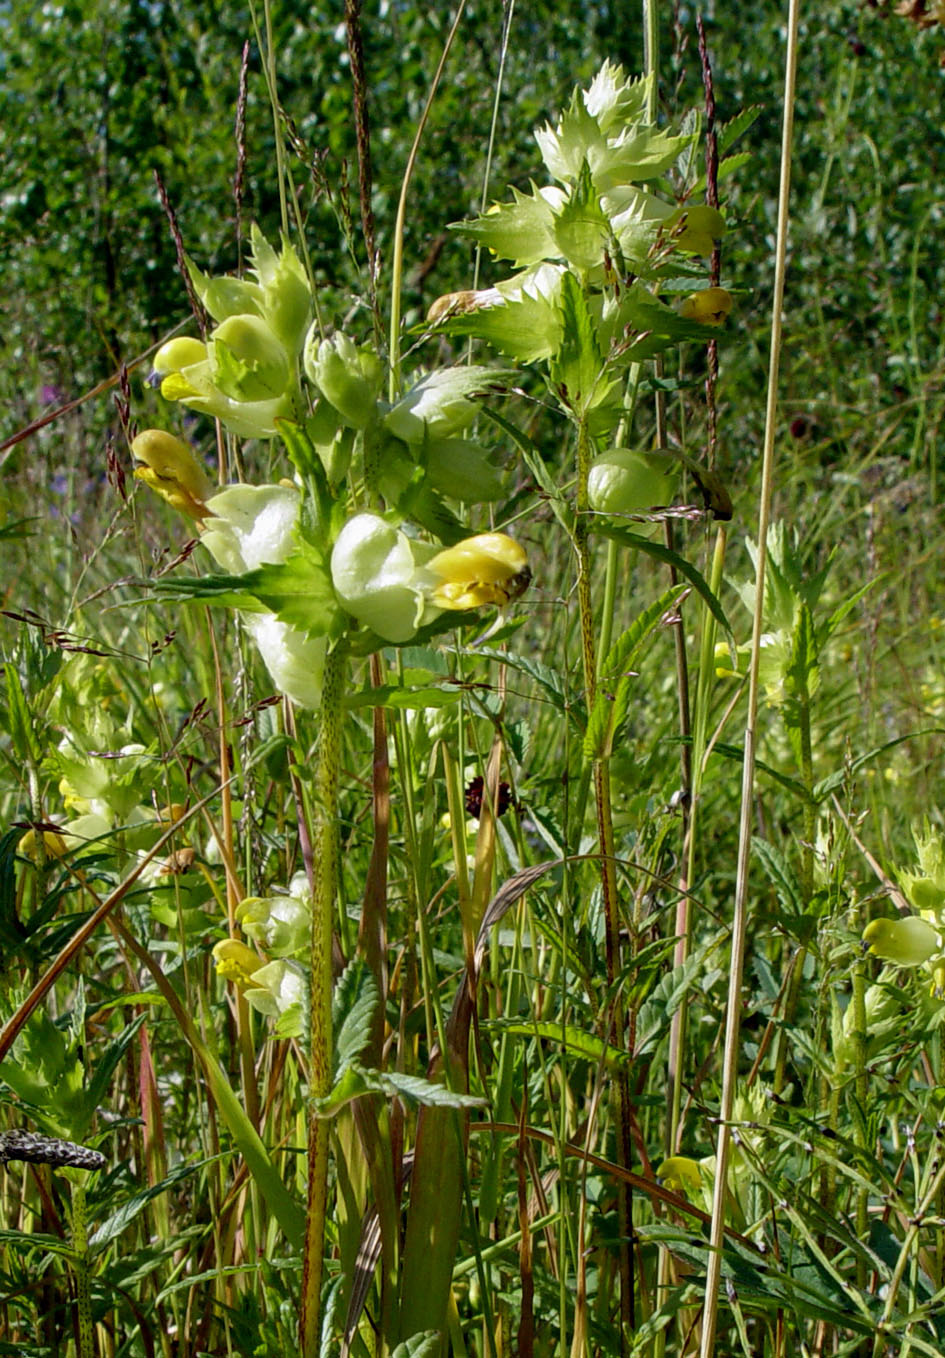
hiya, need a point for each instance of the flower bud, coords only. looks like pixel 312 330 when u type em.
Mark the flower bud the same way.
pixel 275 989
pixel 348 377
pixel 710 306
pixel 681 1174
pixel 490 568
pixel 54 846
pixel 247 361
pixel 252 526
pixel 622 481
pixel 296 662
pixel 171 469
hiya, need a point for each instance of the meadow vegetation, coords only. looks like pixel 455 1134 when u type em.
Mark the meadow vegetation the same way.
pixel 472 865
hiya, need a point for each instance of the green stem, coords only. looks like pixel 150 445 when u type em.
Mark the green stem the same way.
pixel 80 1268
pixel 397 259
pixel 740 909
pixel 325 860
pixel 602 793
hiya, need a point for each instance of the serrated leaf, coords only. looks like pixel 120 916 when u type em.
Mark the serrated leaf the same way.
pixel 780 874
pixel 581 229
pixel 19 719
pixel 425 1092
pixel 578 365
pixel 305 458
pixel 730 132
pixel 521 231
pixel 403 699
pixel 426 1344
pixel 352 1008
pixel 298 590
pixel 526 327
pixel 586 1046
pixel 547 678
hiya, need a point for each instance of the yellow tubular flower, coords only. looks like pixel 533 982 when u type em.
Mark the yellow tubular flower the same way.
pixel 53 844
pixel 709 307
pixel 235 961
pixel 171 470
pixel 487 569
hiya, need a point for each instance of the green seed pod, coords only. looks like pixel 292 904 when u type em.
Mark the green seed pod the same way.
pixel 623 481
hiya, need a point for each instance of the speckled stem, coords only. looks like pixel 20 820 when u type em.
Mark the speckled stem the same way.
pixel 324 844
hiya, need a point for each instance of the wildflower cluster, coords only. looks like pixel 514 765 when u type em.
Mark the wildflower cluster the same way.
pixel 595 253
pixel 281 925
pixel 302 574
pixel 917 940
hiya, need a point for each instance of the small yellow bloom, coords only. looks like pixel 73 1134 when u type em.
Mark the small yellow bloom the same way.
pixel 235 961
pixel 710 306
pixel 170 815
pixel 171 470
pixel 53 843
pixel 490 568
pixel 682 1175
pixel 695 229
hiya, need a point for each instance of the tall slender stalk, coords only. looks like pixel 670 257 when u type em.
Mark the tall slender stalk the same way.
pixel 80 1268
pixel 739 923
pixel 397 261
pixel 325 863
pixel 605 835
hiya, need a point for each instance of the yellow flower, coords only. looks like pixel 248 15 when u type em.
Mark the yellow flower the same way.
pixel 695 229
pixel 235 961
pixel 487 569
pixel 53 844
pixel 171 470
pixel 681 1174
pixel 710 306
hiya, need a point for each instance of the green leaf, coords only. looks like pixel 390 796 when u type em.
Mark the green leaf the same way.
pixel 610 707
pixel 403 698
pixel 522 231
pixel 20 720
pixel 119 1220
pixel 578 365
pixel 17 528
pixel 299 590
pixel 730 132
pixel 547 679
pixel 426 1344
pixel 305 458
pixel 525 326
pixel 353 1004
pixel 582 231
pixel 424 1092
pixel 586 1046
pixel 780 874
pixel 656 549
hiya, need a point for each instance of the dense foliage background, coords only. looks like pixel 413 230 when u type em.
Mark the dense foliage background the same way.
pixel 114 697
